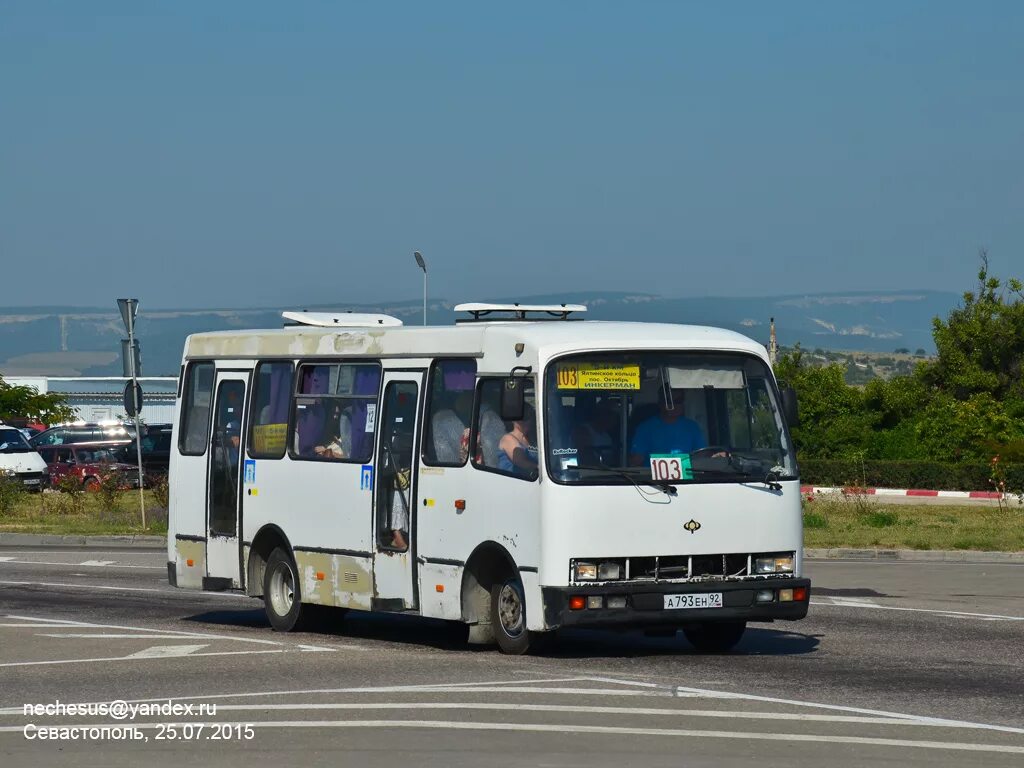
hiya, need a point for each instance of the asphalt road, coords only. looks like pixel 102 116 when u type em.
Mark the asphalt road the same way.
pixel 897 664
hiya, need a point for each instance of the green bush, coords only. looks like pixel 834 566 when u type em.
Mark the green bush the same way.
pixel 11 492
pixel 932 475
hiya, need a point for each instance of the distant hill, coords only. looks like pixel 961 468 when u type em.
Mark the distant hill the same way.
pixel 86 341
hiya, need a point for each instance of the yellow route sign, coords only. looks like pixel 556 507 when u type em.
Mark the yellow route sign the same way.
pixel 598 376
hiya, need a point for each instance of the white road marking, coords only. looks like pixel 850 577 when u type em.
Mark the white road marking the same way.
pixel 23 625
pixel 95 563
pixel 53 662
pixel 165 651
pixel 935 611
pixel 178 592
pixel 86 635
pixel 855 601
pixel 712 694
pixel 596 729
pixel 724 714
pixel 177 632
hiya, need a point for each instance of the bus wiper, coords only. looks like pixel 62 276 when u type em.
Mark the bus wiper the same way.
pixel 667 488
pixel 771 479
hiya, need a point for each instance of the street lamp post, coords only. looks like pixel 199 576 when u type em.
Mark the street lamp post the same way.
pixel 422 265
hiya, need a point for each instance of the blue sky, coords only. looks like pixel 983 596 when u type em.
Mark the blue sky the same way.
pixel 256 153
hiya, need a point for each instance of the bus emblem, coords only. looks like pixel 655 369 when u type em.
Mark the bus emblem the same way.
pixel 693 526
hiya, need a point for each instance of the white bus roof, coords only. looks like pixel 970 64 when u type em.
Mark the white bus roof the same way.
pixel 495 340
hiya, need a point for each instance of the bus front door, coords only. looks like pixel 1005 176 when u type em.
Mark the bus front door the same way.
pixel 223 555
pixel 394 557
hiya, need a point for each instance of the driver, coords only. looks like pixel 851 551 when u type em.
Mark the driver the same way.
pixel 669 431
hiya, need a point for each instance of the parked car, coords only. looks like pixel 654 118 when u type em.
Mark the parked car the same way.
pixel 156 450
pixel 84 432
pixel 89 463
pixel 18 458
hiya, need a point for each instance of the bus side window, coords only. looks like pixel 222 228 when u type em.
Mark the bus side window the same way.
pixel 335 412
pixel 271 394
pixel 195 412
pixel 490 430
pixel 449 413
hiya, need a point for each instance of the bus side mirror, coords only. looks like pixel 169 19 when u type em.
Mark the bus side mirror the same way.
pixel 789 407
pixel 513 403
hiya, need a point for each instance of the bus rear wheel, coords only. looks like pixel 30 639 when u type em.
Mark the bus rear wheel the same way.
pixel 282 599
pixel 508 616
pixel 715 636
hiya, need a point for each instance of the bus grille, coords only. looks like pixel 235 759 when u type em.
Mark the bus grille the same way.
pixel 724 567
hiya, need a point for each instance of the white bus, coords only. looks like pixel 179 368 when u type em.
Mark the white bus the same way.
pixel 519 471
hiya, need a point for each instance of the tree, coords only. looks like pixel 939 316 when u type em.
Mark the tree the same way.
pixel 26 402
pixel 965 404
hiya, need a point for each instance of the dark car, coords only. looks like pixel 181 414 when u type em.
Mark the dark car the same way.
pixel 83 433
pixel 156 450
pixel 89 463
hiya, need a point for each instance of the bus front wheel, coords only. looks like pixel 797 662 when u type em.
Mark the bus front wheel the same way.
pixel 508 616
pixel 281 597
pixel 715 636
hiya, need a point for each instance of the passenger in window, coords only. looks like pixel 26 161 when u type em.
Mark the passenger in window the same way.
pixel 338 435
pixel 450 429
pixel 669 431
pixel 492 431
pixel 363 413
pixel 518 454
pixel 310 419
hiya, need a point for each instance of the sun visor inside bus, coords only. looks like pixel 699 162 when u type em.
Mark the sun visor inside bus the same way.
pixel 698 378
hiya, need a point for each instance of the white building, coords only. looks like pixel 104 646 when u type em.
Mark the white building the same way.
pixel 101 398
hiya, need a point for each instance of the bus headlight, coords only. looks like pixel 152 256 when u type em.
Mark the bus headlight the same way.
pixel 609 571
pixel 585 572
pixel 773 564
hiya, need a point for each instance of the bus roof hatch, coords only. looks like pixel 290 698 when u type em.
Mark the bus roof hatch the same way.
pixel 482 312
pixel 340 320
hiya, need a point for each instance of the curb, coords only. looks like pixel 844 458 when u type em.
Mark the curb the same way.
pixel 914 555
pixel 61 540
pixel 819 490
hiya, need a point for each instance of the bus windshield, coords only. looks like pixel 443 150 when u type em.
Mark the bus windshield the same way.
pixel 665 417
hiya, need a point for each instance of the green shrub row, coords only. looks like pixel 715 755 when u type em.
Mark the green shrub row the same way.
pixel 931 475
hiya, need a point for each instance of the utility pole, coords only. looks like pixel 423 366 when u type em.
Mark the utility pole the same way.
pixel 773 344
pixel 133 392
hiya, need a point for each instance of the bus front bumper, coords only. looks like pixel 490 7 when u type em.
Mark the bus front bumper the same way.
pixel 645 603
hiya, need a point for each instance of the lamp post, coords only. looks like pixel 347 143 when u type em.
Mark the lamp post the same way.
pixel 422 265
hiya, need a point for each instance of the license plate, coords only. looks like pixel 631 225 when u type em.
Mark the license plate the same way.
pixel 696 600
pixel 32 481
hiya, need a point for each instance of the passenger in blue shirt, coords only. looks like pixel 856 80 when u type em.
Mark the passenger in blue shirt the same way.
pixel 667 432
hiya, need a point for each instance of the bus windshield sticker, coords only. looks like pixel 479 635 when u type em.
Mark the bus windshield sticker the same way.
pixel 671 466
pixel 598 376
pixel 371 416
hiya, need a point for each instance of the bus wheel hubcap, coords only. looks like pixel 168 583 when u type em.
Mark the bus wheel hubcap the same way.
pixel 510 610
pixel 282 593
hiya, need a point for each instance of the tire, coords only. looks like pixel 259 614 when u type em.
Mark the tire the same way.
pixel 282 598
pixel 91 484
pixel 508 616
pixel 715 636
